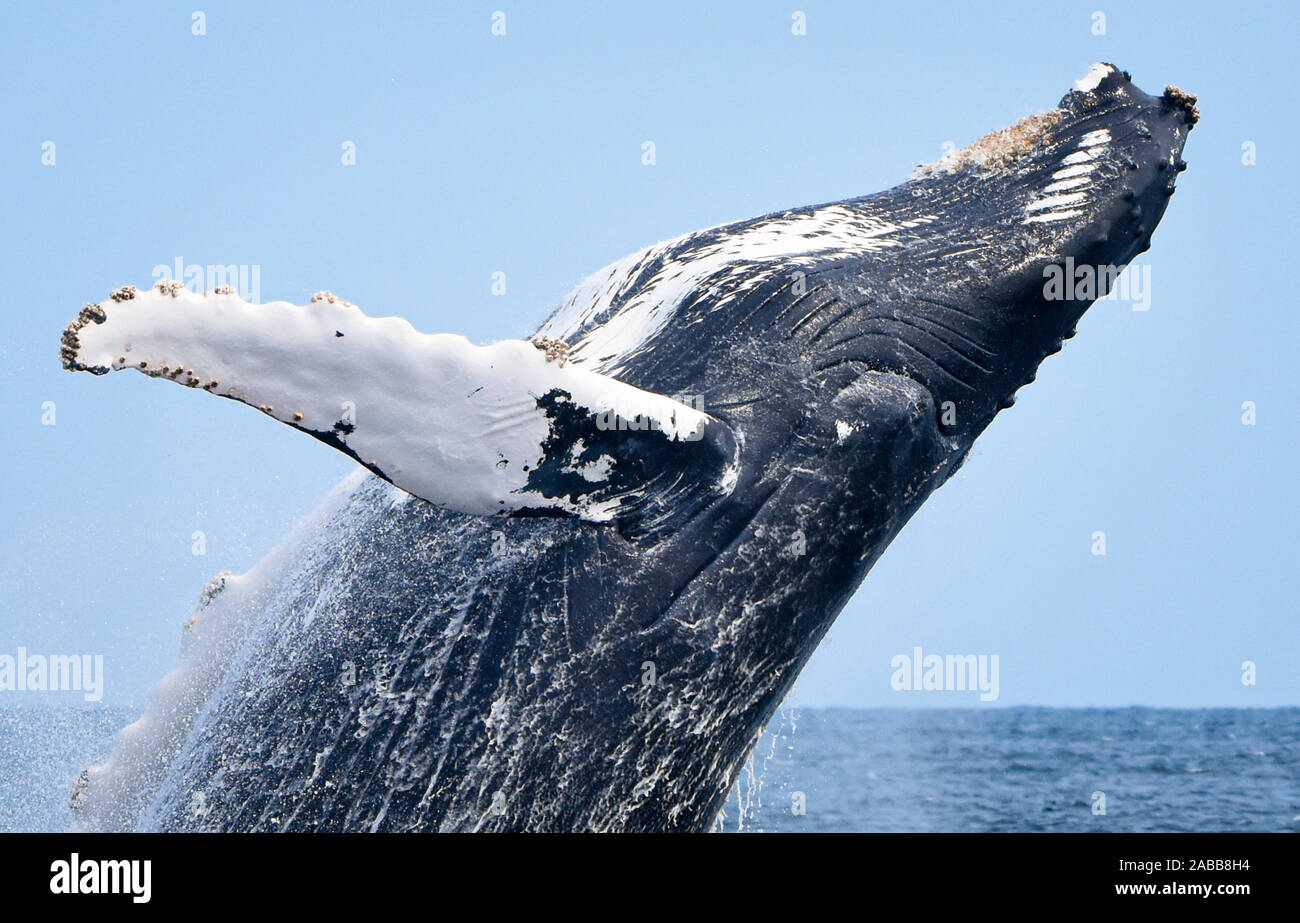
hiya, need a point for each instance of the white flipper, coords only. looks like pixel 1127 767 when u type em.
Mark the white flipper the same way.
pixel 480 429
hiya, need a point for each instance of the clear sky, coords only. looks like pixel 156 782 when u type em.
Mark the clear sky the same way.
pixel 522 154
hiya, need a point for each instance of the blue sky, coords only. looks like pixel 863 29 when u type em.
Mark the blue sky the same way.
pixel 522 154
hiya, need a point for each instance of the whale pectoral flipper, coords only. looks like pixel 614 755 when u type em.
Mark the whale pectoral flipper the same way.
pixel 510 427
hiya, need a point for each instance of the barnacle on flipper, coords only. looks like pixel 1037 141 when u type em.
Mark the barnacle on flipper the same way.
pixel 70 342
pixel 77 799
pixel 214 587
pixel 329 298
pixel 556 350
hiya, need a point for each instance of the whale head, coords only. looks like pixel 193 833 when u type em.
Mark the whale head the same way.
pixel 1045 215
pixel 962 279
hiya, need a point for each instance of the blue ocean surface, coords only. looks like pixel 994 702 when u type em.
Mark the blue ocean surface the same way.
pixel 1000 769
pixel 1023 769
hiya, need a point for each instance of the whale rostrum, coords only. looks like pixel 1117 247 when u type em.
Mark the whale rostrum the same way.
pixel 604 553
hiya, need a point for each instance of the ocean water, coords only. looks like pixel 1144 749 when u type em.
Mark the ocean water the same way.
pixel 42 750
pixel 1003 769
pixel 1023 769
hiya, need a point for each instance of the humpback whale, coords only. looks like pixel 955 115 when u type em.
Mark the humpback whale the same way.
pixel 585 568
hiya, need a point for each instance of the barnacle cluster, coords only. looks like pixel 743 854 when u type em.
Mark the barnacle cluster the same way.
pixel 556 350
pixel 78 798
pixel 70 342
pixel 70 347
pixel 331 298
pixel 1000 149
pixel 214 587
pixel 1181 99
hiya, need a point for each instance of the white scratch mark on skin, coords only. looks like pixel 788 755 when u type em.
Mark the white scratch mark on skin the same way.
pixel 1052 216
pixel 1068 172
pixel 1053 201
pixel 1065 184
pixel 1079 157
pixel 1056 201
